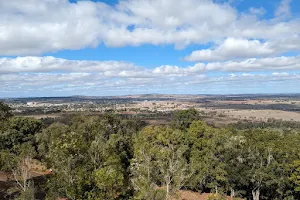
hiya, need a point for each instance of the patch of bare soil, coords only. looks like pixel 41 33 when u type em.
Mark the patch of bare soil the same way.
pixel 190 195
pixel 157 122
pixel 36 169
pixel 3 176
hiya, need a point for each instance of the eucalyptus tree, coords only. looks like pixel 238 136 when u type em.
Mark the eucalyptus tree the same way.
pixel 207 157
pixel 159 162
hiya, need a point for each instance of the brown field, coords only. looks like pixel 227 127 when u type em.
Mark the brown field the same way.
pixel 254 115
pixel 258 102
pixel 43 116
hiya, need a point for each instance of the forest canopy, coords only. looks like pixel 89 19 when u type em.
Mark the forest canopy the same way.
pixel 115 157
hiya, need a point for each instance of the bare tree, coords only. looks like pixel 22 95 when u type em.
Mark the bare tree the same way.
pixel 22 173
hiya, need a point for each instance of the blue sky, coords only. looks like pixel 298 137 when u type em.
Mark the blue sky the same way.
pixel 111 47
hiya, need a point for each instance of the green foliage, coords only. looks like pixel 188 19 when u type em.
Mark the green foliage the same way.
pixel 5 111
pixel 7 160
pixel 19 130
pixel 261 157
pixel 182 119
pixel 51 133
pixel 110 157
pixel 27 195
pixel 5 114
pixel 109 181
pixel 207 156
pixel 90 157
pixel 159 161
pixel 295 175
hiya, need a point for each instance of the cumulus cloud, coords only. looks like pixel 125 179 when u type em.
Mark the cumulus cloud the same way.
pixel 49 63
pixel 244 44
pixel 232 48
pixel 57 84
pixel 169 70
pixel 255 64
pixel 237 48
pixel 52 25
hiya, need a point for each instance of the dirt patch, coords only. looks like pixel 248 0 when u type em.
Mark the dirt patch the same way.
pixel 3 176
pixel 190 195
pixel 158 122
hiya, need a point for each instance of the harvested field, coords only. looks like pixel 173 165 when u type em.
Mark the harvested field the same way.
pixel 255 115
pixel 264 114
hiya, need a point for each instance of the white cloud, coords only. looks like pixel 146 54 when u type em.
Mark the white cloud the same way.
pixel 49 76
pixel 111 69
pixel 49 63
pixel 232 48
pixel 41 26
pixel 254 64
pixel 244 43
pixel 168 70
pixel 284 9
pixel 257 11
pixel 42 71
pixel 236 48
pixel 56 84
pixel 280 74
pixel 52 25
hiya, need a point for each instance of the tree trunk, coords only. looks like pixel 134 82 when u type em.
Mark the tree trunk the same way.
pixel 167 192
pixel 168 182
pixel 232 193
pixel 255 194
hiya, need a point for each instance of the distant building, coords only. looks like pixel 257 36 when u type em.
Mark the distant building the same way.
pixel 31 103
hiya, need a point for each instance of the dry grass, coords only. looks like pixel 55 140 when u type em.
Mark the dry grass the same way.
pixel 255 115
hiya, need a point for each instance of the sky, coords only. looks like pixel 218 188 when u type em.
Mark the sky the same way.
pixel 121 47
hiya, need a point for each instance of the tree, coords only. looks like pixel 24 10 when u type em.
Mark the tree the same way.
pixel 67 158
pixel 5 114
pixel 90 157
pixel 295 175
pixel 207 156
pixel 110 180
pixel 182 119
pixel 21 171
pixel 49 135
pixel 234 165
pixel 261 159
pixel 144 173
pixel 159 162
pixel 19 130
pixel 5 111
